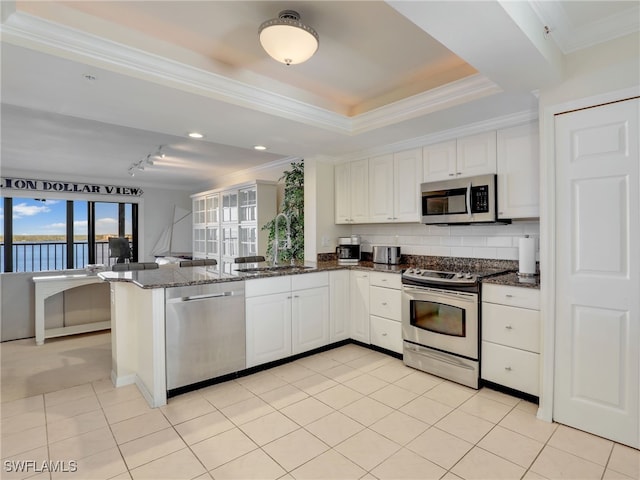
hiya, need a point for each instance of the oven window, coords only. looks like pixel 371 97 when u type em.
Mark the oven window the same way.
pixel 438 318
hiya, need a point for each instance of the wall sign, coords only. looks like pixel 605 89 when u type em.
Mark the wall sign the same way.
pixel 27 184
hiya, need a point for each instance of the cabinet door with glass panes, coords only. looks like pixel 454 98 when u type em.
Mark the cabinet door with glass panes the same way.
pixel 230 207
pixel 199 242
pixel 231 221
pixel 199 209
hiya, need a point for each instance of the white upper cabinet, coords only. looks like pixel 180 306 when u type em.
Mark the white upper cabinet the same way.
pixel 351 192
pixel 439 161
pixel 407 172
pixel 381 188
pixel 394 187
pixel 518 172
pixel 463 157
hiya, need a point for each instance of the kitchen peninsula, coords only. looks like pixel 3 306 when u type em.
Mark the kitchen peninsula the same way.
pixel 138 315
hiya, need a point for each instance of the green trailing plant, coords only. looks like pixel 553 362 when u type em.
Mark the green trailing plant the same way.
pixel 293 207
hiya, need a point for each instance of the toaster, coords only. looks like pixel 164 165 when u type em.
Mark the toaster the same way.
pixel 385 254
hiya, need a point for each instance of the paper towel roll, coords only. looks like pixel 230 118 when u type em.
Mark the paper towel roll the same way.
pixel 527 256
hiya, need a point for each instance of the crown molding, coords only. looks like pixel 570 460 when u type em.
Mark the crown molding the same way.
pixel 437 137
pixel 253 172
pixel 25 30
pixel 440 98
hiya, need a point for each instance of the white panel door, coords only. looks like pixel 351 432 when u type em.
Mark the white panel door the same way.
pixel 597 363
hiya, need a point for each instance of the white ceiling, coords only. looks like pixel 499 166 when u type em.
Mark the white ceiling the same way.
pixel 385 72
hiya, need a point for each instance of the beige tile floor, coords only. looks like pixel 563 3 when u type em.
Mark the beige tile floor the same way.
pixel 346 413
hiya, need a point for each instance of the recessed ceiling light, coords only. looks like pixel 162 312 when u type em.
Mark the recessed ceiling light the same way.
pixel 259 147
pixel 195 135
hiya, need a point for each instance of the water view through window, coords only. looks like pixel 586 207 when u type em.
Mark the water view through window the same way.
pixel 40 228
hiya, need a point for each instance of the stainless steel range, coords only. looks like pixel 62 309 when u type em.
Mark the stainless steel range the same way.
pixel 441 324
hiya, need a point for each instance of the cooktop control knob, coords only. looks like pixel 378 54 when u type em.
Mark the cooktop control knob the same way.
pixel 459 275
pixel 468 275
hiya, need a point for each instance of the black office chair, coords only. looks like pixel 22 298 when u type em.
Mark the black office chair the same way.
pixel 199 262
pixel 125 267
pixel 119 248
pixel 255 259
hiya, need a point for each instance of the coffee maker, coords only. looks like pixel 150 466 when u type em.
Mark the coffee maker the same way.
pixel 348 250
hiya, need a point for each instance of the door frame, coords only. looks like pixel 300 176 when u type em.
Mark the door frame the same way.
pixel 548 234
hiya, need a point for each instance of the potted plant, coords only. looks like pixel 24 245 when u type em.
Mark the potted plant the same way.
pixel 293 207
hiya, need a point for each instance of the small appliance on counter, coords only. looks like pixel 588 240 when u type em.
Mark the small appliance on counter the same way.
pixel 348 250
pixel 386 255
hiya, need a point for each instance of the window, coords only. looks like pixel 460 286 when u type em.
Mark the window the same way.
pixel 41 234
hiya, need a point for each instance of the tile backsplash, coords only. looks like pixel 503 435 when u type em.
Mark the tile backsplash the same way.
pixel 470 241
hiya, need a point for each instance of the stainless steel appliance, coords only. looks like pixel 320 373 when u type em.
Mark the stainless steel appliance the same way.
pixel 441 325
pixel 348 250
pixel 384 254
pixel 461 201
pixel 205 332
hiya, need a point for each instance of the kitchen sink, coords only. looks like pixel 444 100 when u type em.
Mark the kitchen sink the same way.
pixel 277 268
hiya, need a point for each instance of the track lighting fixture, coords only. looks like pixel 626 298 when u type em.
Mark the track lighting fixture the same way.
pixel 147 161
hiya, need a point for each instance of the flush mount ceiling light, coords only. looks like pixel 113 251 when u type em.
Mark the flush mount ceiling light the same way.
pixel 288 40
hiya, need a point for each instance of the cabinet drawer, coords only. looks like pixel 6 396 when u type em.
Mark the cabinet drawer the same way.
pixel 385 302
pixel 513 296
pixel 389 280
pixel 267 286
pixel 309 280
pixel 511 367
pixel 511 326
pixel 386 333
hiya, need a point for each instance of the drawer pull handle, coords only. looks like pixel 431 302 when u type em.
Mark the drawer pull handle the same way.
pixel 384 334
pixel 508 369
pixel 508 327
pixel 384 303
pixel 384 279
pixel 508 295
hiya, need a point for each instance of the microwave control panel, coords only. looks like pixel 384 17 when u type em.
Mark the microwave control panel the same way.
pixel 480 199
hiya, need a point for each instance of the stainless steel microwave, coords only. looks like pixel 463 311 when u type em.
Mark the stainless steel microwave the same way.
pixel 461 201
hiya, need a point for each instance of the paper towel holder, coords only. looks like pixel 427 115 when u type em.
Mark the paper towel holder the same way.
pixel 528 275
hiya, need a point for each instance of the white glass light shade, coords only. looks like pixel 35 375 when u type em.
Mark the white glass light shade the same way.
pixel 287 40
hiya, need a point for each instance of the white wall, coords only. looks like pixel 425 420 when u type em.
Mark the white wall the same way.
pixel 600 74
pixel 470 241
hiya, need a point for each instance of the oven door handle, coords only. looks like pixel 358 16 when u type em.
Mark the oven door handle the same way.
pixel 461 296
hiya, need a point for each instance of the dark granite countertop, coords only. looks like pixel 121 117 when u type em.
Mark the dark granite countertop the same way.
pixel 171 275
pixel 512 279
pixel 168 276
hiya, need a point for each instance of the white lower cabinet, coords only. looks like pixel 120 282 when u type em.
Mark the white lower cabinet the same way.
pixel 386 333
pixel 283 320
pixel 339 305
pixel 268 328
pixel 385 308
pixel 310 319
pixel 359 306
pixel 511 337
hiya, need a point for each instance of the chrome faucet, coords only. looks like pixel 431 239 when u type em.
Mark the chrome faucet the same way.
pixel 276 242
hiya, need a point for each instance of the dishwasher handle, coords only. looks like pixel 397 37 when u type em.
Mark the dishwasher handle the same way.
pixel 204 296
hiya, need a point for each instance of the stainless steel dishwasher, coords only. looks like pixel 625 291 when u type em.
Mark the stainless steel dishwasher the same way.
pixel 205 332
